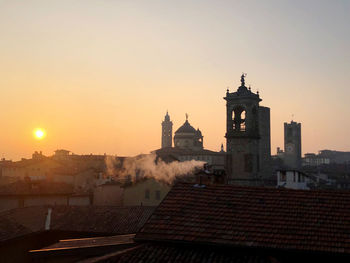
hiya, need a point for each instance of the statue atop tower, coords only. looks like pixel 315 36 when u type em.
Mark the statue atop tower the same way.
pixel 167 131
pixel 242 79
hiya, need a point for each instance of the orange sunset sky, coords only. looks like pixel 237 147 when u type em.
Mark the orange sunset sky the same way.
pixel 98 76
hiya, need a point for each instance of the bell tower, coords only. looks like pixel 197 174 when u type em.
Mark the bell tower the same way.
pixel 292 145
pixel 242 135
pixel 167 131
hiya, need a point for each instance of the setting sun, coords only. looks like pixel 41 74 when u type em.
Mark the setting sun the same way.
pixel 39 134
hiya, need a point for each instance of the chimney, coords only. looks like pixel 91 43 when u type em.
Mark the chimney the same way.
pixel 202 176
pixel 48 219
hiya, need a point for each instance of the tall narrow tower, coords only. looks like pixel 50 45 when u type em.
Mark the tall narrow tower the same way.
pixel 242 135
pixel 292 145
pixel 167 131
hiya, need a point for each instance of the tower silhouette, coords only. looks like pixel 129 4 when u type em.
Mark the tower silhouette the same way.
pixel 248 148
pixel 167 131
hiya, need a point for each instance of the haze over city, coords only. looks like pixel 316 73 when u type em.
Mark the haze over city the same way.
pixel 98 77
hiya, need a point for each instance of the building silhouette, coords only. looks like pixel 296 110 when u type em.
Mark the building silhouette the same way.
pixel 292 145
pixel 247 137
pixel 167 131
pixel 187 137
pixel 189 145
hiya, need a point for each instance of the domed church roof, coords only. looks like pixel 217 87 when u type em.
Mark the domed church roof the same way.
pixel 186 128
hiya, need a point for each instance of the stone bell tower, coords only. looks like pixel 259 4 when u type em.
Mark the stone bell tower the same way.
pixel 292 145
pixel 243 136
pixel 167 132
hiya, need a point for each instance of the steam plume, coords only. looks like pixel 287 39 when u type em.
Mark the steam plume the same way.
pixel 149 166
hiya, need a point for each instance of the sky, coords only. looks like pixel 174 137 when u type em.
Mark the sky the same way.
pixel 98 76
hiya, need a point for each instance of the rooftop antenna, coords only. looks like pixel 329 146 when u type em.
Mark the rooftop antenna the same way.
pixel 292 117
pixel 186 117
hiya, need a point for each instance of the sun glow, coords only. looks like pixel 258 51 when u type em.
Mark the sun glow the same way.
pixel 39 134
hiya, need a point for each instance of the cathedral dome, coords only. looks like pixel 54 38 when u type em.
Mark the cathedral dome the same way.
pixel 186 128
pixel 187 137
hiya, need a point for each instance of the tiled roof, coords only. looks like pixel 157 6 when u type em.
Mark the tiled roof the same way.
pixel 10 229
pixel 156 253
pixel 314 220
pixel 36 188
pixel 89 219
pixel 100 219
pixel 89 242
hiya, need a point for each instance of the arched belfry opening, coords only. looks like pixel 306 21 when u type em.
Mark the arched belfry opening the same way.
pixel 239 119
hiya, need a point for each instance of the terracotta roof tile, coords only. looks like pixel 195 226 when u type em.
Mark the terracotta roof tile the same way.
pixel 316 220
pixel 10 229
pixel 89 219
pixel 172 253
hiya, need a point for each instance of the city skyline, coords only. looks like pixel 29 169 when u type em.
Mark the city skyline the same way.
pixel 100 78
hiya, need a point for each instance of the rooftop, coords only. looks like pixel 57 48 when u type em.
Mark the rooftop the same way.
pixel 186 128
pixel 174 253
pixel 81 219
pixel 267 218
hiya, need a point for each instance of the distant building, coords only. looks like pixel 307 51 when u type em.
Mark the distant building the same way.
pixel 247 137
pixel 326 157
pixel 108 194
pixel 188 145
pixel 35 169
pixel 167 132
pixel 292 145
pixel 216 160
pixel 144 192
pixel 311 159
pixel 149 192
pixel 61 154
pixel 292 179
pixel 27 193
pixel 187 137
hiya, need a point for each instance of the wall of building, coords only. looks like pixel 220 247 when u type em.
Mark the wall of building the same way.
pixel 37 170
pixel 83 200
pixel 265 142
pixel 45 200
pixel 7 203
pixel 62 178
pixel 149 193
pixel 292 180
pixel 108 194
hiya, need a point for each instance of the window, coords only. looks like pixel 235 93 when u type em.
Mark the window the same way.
pixel 283 176
pixel 157 195
pixel 147 195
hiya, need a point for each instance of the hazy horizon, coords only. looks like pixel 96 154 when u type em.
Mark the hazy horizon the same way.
pixel 99 76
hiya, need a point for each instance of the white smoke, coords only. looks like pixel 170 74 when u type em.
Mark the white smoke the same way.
pixel 149 166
